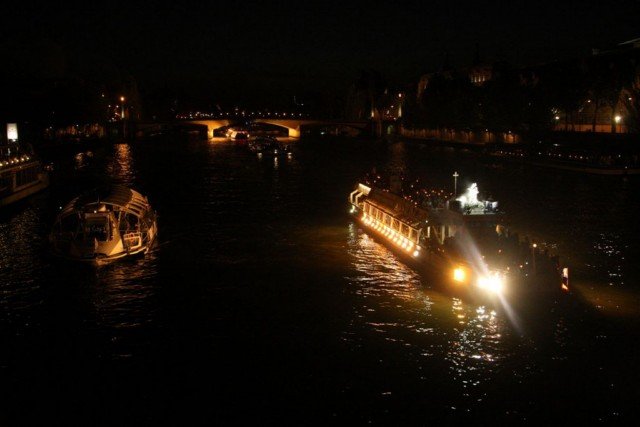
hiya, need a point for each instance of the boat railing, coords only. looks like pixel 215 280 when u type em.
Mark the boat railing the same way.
pixel 132 239
pixel 354 196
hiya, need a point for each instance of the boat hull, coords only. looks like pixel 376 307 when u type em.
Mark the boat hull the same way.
pixel 25 192
pixel 100 259
pixel 522 290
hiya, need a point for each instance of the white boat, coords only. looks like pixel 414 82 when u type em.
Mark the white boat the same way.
pixel 21 175
pixel 104 225
pixel 462 241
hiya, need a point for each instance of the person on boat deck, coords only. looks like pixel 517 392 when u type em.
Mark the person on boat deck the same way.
pixel 132 223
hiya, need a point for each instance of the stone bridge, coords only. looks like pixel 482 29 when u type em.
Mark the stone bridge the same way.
pixel 292 125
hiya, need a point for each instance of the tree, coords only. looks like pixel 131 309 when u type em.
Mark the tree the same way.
pixel 631 103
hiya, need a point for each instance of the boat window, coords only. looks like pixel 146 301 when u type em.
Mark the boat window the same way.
pixel 413 234
pixel 404 230
pixel 132 222
pixel 387 220
pixel 97 228
pixel 395 224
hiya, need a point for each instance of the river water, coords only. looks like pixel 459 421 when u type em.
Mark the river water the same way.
pixel 263 300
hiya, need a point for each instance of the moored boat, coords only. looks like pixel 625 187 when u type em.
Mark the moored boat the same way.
pixel 268 145
pixel 464 242
pixel 21 174
pixel 103 225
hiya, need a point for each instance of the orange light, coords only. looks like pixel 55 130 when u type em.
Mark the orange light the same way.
pixel 459 274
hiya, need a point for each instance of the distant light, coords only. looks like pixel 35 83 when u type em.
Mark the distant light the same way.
pixel 618 119
pixel 12 131
pixel 557 117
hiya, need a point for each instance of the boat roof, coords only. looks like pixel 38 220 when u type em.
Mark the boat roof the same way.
pixel 407 212
pixel 397 206
pixel 119 196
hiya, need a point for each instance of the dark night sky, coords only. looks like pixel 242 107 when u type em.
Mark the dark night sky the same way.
pixel 238 51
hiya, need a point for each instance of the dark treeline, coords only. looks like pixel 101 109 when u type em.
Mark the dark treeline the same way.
pixel 48 85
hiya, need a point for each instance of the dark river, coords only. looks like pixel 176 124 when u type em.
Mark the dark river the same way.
pixel 264 302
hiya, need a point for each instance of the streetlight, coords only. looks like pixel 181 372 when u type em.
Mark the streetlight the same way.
pixel 124 125
pixel 455 183
pixel 533 252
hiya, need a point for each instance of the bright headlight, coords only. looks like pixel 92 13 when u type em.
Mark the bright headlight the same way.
pixel 493 282
pixel 459 274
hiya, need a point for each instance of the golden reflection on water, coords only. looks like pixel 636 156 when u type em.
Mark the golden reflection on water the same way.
pixel 398 304
pixel 122 166
pixel 124 300
pixel 125 284
pixel 18 246
pixel 477 338
pixel 382 273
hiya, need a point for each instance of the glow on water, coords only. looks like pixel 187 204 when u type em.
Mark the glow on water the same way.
pixel 263 286
pixel 408 312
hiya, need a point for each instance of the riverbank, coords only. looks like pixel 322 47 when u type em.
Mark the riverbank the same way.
pixel 589 157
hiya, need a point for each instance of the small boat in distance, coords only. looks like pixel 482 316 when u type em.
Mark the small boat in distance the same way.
pixel 239 136
pixel 103 225
pixel 268 145
pixel 21 174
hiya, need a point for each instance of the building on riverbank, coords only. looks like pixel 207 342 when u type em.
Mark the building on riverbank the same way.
pixel 599 93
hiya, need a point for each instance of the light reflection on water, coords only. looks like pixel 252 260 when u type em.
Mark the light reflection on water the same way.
pixel 124 293
pixel 18 247
pixel 254 251
pixel 122 167
pixel 398 305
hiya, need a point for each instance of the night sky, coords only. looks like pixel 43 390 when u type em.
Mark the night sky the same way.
pixel 236 52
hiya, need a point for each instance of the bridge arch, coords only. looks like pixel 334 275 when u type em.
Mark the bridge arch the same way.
pixel 212 125
pixel 294 125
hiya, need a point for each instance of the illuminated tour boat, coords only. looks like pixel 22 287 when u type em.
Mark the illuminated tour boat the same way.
pixel 21 174
pixel 464 241
pixel 104 225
